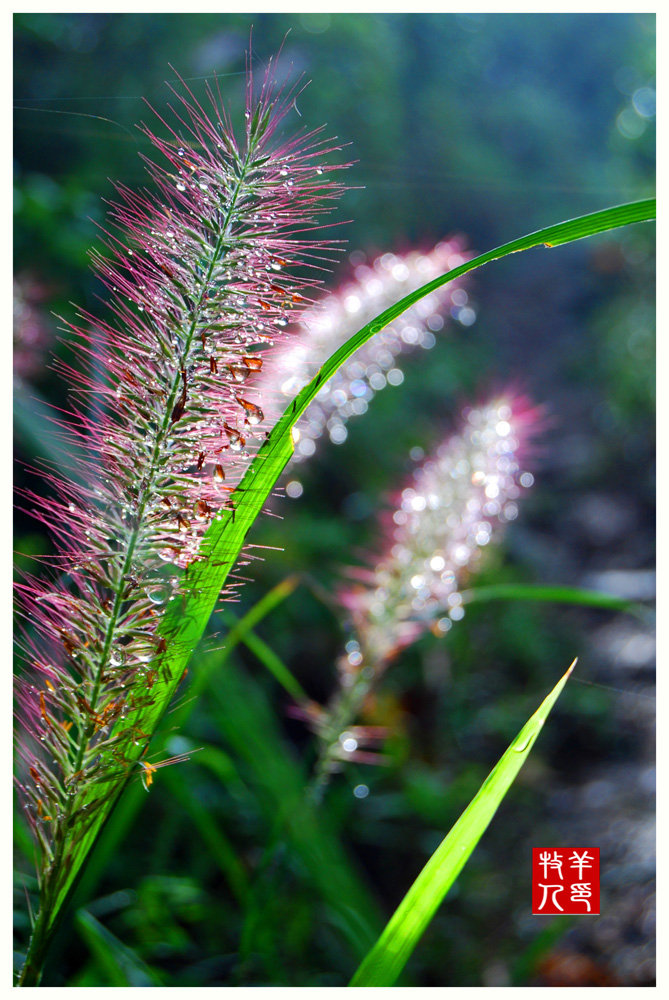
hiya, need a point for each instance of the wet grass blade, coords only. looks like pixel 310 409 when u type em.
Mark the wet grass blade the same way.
pixel 385 961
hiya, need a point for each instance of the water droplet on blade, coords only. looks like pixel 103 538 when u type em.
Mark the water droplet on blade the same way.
pixel 522 743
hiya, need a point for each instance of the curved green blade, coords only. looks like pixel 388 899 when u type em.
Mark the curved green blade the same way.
pixel 186 620
pixel 554 594
pixel 385 961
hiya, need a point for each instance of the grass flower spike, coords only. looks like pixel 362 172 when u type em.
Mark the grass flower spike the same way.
pixel 327 325
pixel 198 270
pixel 455 505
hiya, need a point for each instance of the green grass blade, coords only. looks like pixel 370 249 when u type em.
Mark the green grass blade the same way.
pixel 224 540
pixel 553 595
pixel 220 848
pixel 269 659
pixel 119 826
pixel 385 961
pixel 120 963
pixel 186 616
pixel 248 727
pixel 240 630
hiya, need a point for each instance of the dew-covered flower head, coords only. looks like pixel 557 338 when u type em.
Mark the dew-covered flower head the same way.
pixel 372 287
pixel 206 269
pixel 454 506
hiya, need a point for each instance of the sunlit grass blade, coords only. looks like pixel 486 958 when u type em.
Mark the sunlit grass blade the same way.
pixel 385 961
pixel 186 617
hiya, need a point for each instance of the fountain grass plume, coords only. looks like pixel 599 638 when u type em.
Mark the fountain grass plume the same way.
pixel 455 505
pixel 201 274
pixel 369 289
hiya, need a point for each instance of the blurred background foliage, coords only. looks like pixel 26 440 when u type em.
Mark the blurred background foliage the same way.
pixel 486 125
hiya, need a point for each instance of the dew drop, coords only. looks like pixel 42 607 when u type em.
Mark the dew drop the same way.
pixel 348 742
pixel 156 595
pixel 523 744
pixel 238 371
pixel 254 415
pixel 181 186
pixel 116 658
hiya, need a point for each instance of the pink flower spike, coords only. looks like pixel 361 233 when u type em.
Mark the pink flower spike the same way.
pixel 199 273
pixel 331 321
pixel 454 505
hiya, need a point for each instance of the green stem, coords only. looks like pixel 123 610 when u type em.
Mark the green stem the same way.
pixel 31 973
pixel 345 708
